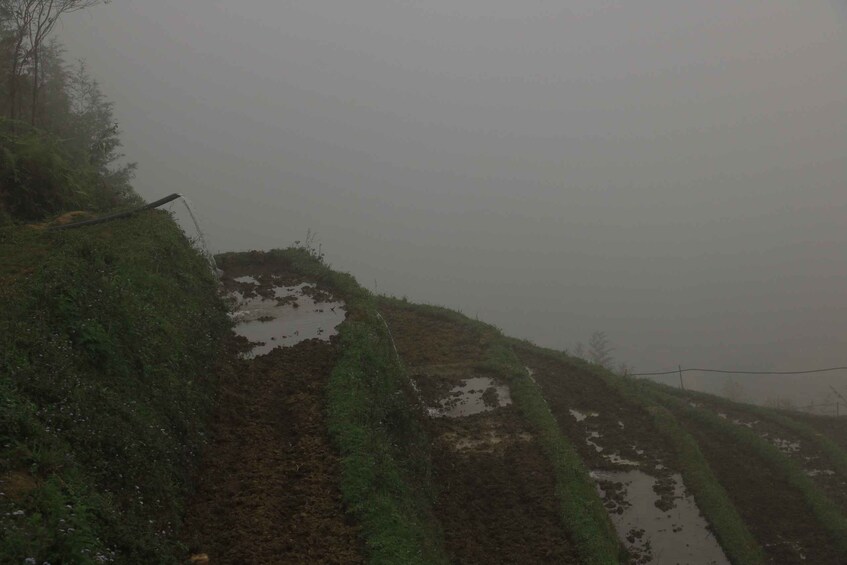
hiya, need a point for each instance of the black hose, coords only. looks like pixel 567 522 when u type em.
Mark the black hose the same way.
pixel 118 215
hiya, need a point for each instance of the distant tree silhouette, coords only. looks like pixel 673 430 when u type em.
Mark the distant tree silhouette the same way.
pixel 599 350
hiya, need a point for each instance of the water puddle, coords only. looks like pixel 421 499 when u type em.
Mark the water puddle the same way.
pixel 674 533
pixel 485 442
pixel 472 396
pixel 580 416
pixel 247 279
pixel 294 314
pixel 613 458
pixel 786 446
pixel 816 472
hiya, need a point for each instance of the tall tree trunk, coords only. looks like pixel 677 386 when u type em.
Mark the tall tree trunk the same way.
pixel 13 90
pixel 35 85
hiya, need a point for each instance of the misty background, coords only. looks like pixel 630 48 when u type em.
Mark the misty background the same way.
pixel 670 173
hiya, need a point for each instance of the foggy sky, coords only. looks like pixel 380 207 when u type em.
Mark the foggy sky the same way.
pixel 670 172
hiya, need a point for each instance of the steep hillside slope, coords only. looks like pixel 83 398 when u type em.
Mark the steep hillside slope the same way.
pixel 107 339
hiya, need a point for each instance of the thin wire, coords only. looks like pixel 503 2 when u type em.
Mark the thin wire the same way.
pixel 678 371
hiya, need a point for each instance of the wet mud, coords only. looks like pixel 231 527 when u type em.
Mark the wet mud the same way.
pixel 270 312
pixel 806 454
pixel 268 489
pixel 635 471
pixel 495 488
pixel 775 513
pixel 269 484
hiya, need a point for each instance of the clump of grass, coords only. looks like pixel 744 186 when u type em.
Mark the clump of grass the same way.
pixel 106 343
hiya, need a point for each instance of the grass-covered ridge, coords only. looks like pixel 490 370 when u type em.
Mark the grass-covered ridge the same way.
pixel 107 336
pixel 374 420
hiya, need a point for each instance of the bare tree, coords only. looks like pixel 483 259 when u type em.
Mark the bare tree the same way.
pixel 599 350
pixel 625 369
pixel 17 19
pixel 733 390
pixel 29 23
pixel 579 350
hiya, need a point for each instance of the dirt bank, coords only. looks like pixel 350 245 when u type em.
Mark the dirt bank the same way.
pixel 269 489
pixel 496 499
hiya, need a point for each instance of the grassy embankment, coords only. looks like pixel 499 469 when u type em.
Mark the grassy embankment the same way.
pixel 729 528
pixel 375 421
pixel 581 509
pixel 107 337
pixel 824 510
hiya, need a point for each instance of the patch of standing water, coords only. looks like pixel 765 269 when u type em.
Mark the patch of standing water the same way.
pixel 816 472
pixel 786 446
pixel 611 457
pixel 678 535
pixel 289 318
pixel 247 279
pixel 580 416
pixel 474 395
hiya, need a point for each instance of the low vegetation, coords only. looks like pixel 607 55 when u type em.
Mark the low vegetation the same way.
pixel 107 336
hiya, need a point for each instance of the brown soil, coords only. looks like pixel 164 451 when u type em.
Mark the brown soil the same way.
pixel 625 428
pixel 835 428
pixel 425 339
pixel 807 455
pixel 775 512
pixel 269 483
pixel 496 499
pixel 495 488
pixel 618 426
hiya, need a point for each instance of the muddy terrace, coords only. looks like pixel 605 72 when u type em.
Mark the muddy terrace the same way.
pixel 270 489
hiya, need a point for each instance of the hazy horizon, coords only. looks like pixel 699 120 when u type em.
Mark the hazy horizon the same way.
pixel 672 174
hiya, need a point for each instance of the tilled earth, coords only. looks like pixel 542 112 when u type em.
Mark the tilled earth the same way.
pixel 773 510
pixel 806 454
pixel 269 484
pixel 609 432
pixel 495 488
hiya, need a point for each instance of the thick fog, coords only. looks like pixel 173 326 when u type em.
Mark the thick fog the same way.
pixel 672 173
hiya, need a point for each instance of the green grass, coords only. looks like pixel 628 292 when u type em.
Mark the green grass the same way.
pixel 107 335
pixel 375 421
pixel 825 511
pixel 581 509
